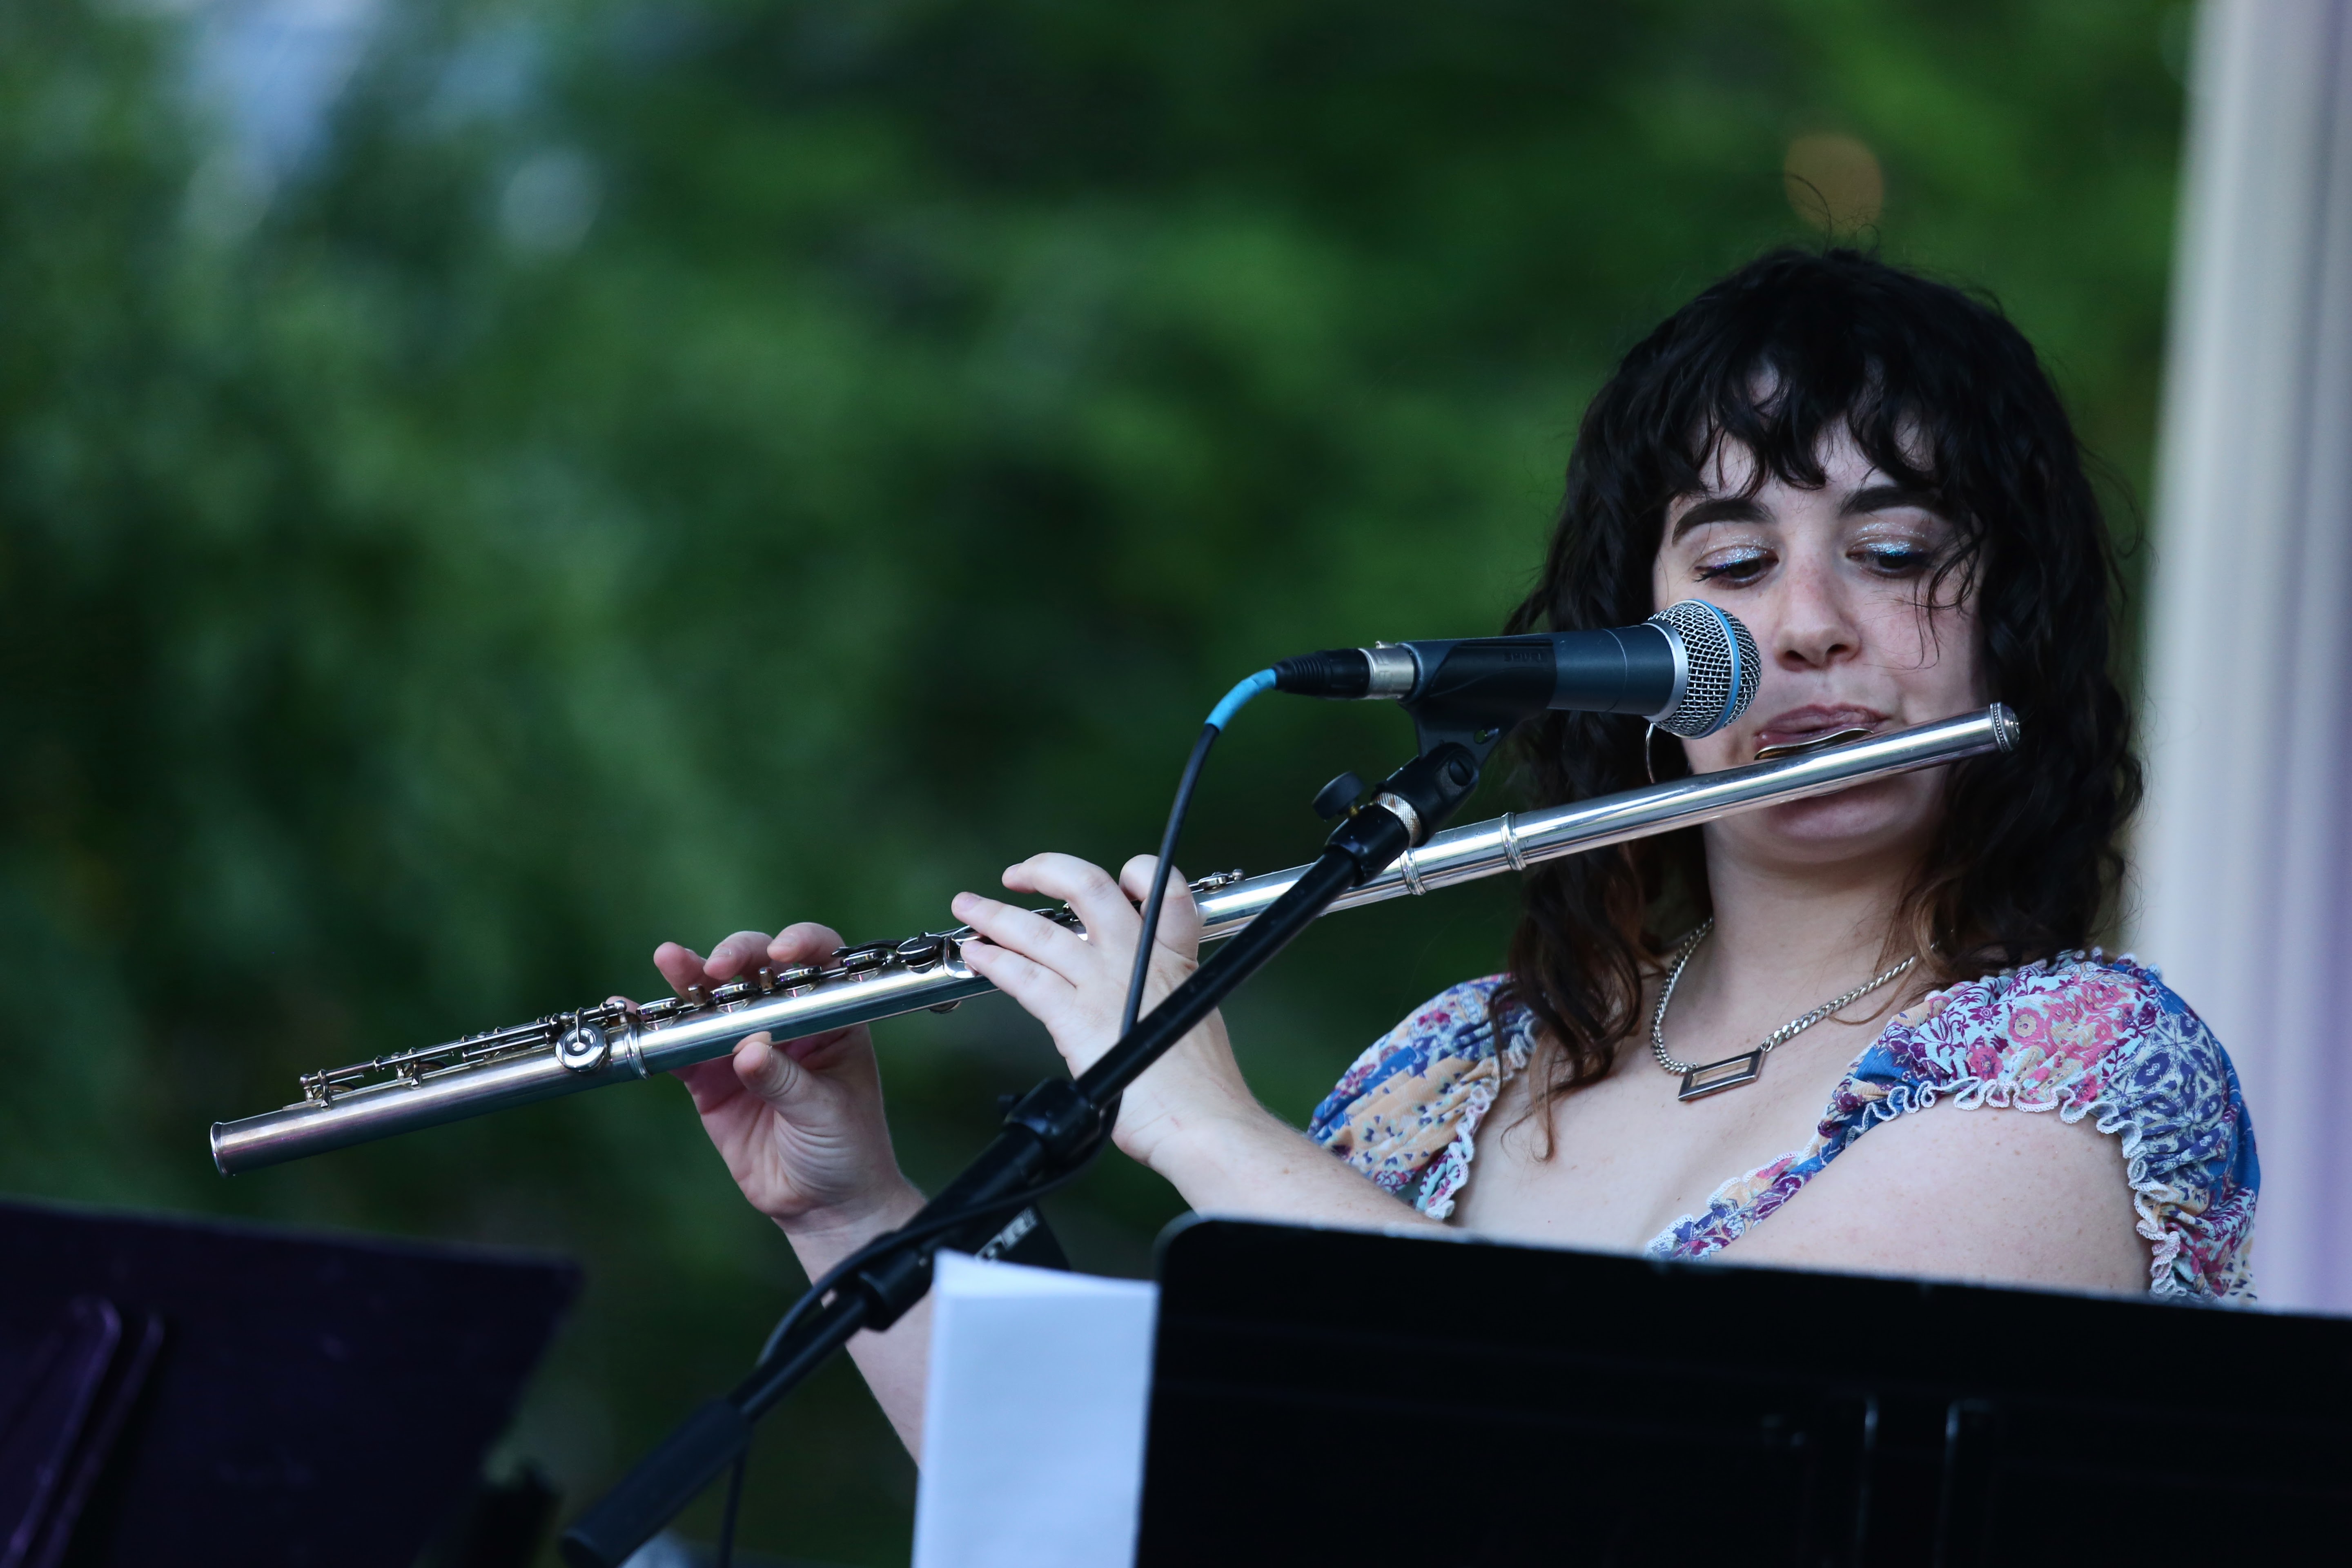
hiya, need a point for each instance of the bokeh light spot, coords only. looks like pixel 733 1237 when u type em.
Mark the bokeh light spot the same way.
pixel 550 203
pixel 1835 182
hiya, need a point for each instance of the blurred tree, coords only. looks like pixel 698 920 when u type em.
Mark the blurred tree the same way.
pixel 662 469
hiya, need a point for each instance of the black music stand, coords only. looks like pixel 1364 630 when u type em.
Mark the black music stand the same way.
pixel 1340 1395
pixel 176 1390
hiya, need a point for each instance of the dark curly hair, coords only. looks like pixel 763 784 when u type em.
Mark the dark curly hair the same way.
pixel 1943 395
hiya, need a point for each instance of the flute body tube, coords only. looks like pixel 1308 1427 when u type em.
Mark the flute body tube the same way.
pixel 617 1041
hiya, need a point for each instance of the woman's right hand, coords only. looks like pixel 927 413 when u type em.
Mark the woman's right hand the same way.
pixel 800 1124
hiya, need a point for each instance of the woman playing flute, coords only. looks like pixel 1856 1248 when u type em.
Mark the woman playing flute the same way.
pixel 1918 1063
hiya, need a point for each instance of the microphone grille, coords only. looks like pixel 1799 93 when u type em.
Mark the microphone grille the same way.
pixel 1721 669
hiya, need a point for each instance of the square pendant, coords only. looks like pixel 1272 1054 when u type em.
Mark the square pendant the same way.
pixel 1714 1078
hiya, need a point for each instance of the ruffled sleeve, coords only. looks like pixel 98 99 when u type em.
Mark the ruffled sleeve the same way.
pixel 2088 1037
pixel 1406 1114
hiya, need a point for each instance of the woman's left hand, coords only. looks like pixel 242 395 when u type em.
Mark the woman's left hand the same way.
pixel 1077 986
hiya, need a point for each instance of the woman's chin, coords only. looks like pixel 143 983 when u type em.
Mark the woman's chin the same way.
pixel 1871 822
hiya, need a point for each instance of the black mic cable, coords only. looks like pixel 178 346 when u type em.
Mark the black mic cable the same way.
pixel 1219 717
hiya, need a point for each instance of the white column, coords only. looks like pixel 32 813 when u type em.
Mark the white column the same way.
pixel 2244 854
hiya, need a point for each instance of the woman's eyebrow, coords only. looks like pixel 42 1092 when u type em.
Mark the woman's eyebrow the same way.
pixel 1719 508
pixel 1889 498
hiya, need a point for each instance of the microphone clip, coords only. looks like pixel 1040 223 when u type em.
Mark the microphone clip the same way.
pixel 1436 723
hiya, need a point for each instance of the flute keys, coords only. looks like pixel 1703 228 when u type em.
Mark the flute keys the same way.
pixel 583 1047
pixel 866 960
pixel 920 952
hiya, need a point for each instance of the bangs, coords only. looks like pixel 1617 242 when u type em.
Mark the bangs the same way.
pixel 1781 363
pixel 1784 402
pixel 1800 349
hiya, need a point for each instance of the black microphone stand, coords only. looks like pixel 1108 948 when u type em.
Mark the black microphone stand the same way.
pixel 1049 1132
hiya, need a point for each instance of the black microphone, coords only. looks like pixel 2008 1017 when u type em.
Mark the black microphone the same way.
pixel 1690 670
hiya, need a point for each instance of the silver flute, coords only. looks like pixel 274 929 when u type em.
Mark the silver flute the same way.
pixel 620 1042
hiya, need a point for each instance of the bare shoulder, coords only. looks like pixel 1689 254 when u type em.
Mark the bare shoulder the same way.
pixel 1993 1195
pixel 1983 1136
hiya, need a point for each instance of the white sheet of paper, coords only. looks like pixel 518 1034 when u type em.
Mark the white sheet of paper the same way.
pixel 1033 1422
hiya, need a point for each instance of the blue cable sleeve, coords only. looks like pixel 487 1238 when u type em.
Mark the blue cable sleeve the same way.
pixel 1222 714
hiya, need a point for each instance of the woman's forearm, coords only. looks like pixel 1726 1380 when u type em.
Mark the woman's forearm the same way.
pixel 1254 1165
pixel 1248 1166
pixel 895 1362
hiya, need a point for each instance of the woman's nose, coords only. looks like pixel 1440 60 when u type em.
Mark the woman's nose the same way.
pixel 1814 629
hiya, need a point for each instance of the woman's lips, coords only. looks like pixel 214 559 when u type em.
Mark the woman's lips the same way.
pixel 1801 724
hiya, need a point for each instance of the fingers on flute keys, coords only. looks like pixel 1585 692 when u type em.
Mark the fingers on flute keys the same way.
pixel 1179 916
pixel 806 942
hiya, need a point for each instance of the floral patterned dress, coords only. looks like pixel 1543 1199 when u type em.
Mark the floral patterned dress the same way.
pixel 2083 1035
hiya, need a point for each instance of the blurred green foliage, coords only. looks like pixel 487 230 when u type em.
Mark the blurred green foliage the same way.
pixel 659 469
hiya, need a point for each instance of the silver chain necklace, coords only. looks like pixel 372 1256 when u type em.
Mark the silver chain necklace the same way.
pixel 1703 1079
